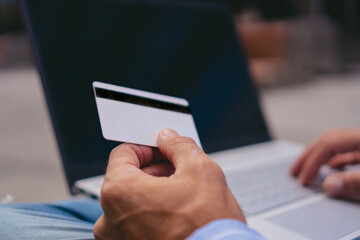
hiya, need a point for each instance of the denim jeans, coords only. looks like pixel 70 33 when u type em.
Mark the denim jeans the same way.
pixel 70 219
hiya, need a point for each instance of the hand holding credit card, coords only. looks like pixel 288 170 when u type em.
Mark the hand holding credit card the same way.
pixel 135 116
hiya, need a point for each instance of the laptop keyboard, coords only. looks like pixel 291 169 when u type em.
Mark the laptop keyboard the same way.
pixel 263 188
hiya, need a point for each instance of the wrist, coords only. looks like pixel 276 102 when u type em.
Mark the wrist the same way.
pixel 155 225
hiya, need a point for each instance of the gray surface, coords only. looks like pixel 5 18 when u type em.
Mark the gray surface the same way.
pixel 321 220
pixel 301 112
pixel 30 168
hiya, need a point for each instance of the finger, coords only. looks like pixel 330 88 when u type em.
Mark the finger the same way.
pixel 313 163
pixel 329 144
pixel 160 170
pixel 344 159
pixel 179 150
pixel 345 184
pixel 296 167
pixel 130 157
pixel 158 157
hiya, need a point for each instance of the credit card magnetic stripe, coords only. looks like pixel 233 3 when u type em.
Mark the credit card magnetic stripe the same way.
pixel 148 102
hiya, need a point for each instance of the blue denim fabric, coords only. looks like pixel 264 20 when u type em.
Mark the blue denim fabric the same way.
pixel 75 218
pixel 70 219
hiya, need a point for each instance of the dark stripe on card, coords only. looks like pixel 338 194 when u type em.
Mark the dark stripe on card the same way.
pixel 148 102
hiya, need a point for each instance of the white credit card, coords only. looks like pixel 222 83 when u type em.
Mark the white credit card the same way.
pixel 135 116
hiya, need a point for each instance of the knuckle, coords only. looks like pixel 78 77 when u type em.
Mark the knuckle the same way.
pixel 205 163
pixel 329 137
pixel 118 149
pixel 181 145
pixel 352 182
pixel 216 169
pixel 201 163
pixel 350 156
pixel 111 191
pixel 327 134
pixel 182 141
pixel 355 155
pixel 107 192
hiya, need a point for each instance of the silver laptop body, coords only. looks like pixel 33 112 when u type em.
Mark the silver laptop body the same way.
pixel 274 203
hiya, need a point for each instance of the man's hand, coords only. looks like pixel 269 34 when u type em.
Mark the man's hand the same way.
pixel 145 197
pixel 337 149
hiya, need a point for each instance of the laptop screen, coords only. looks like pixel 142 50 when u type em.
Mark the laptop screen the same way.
pixel 180 49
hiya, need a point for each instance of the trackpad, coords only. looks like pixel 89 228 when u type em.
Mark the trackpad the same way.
pixel 326 219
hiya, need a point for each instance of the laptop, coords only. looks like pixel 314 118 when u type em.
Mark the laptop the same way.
pixel 186 50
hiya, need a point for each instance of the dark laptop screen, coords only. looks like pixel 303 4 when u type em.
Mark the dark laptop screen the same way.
pixel 180 49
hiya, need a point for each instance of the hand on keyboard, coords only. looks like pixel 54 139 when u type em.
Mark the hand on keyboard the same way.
pixel 337 149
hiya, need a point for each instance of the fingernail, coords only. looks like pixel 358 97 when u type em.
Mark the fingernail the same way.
pixel 334 185
pixel 169 132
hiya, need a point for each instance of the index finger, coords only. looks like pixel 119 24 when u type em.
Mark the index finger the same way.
pixel 312 165
pixel 296 167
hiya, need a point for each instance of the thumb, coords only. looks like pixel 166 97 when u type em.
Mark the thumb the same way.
pixel 179 150
pixel 346 184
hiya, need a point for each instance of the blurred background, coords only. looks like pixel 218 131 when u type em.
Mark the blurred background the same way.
pixel 304 56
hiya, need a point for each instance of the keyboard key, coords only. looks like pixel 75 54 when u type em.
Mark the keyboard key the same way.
pixel 265 188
